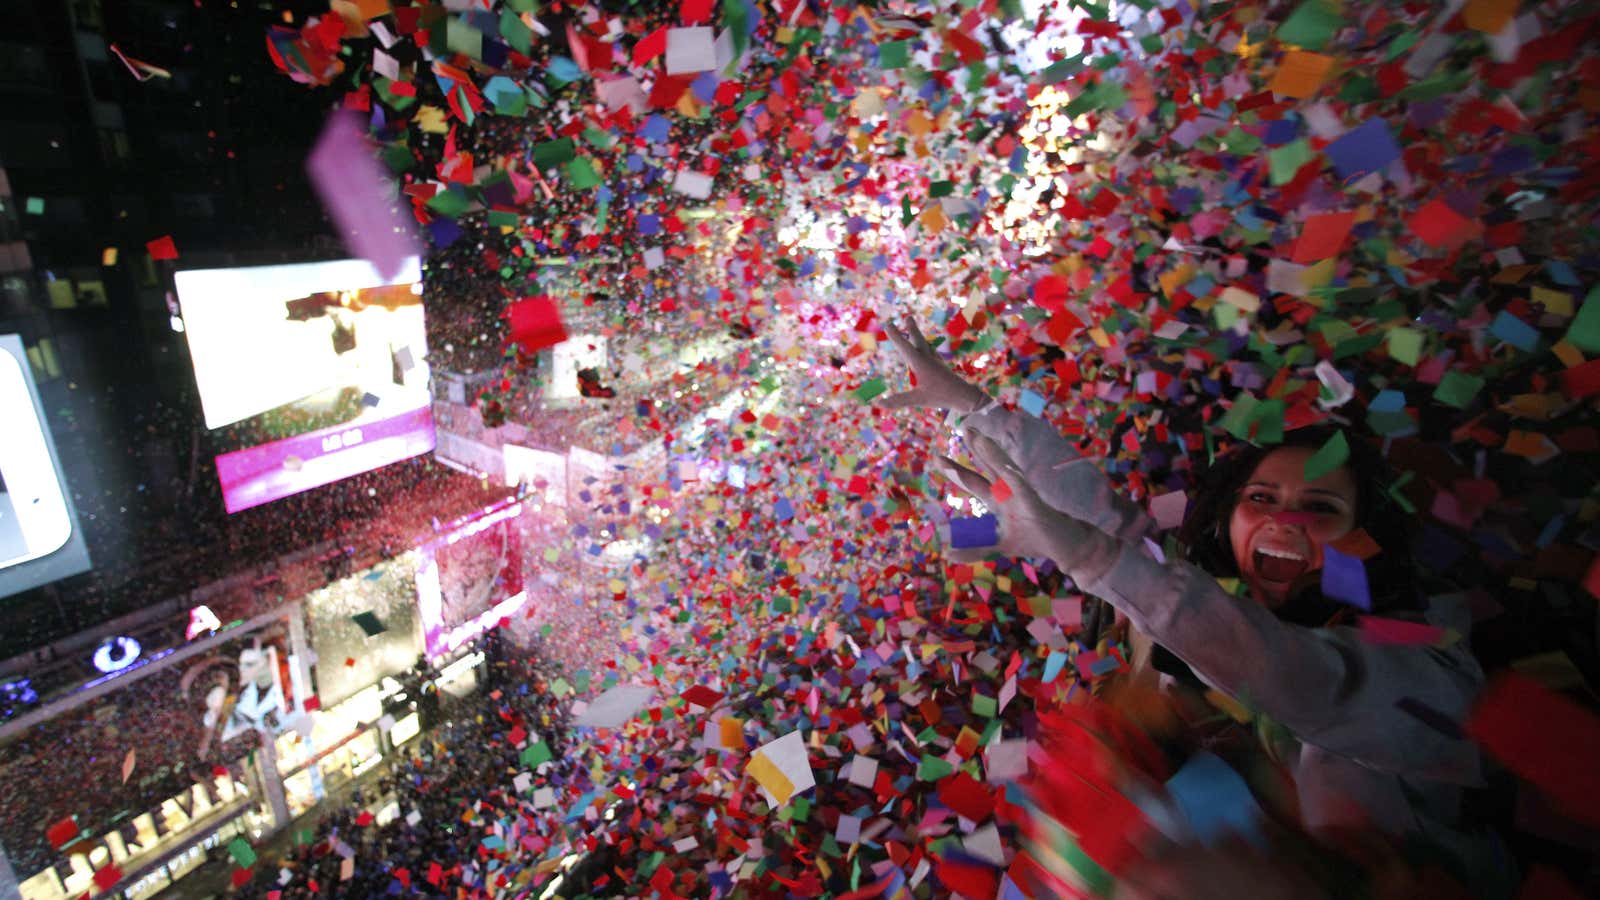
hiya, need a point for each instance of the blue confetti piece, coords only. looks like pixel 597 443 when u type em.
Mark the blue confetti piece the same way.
pixel 444 232
pixel 1215 800
pixel 1344 578
pixel 563 69
pixel 1367 148
pixel 657 129
pixel 1551 531
pixel 1388 401
pixel 1031 403
pixel 1515 332
pixel 1561 272
pixel 705 87
pixel 980 531
pixel 1053 666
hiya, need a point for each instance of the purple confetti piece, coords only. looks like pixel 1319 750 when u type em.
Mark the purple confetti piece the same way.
pixel 359 197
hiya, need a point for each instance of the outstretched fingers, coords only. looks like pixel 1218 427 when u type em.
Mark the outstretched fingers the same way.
pixel 911 399
pixel 969 480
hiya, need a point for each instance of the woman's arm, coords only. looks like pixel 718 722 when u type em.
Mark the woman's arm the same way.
pixel 1329 686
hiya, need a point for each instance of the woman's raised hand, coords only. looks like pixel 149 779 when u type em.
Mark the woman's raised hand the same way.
pixel 1026 525
pixel 935 383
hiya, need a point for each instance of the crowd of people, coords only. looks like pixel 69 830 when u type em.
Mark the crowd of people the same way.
pixel 456 779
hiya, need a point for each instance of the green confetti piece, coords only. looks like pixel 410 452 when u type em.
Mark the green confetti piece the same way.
pixel 534 754
pixel 1285 161
pixel 1060 71
pixel 517 35
pixel 35 206
pixel 1405 345
pixel 581 174
pixel 894 55
pixel 451 202
pixel 1584 332
pixel 1332 455
pixel 932 768
pixel 463 38
pixel 1395 494
pixel 870 388
pixel 985 706
pixel 1311 25
pixel 500 219
pixel 550 154
pixel 1457 389
pixel 397 157
pixel 1236 421
pixel 1268 422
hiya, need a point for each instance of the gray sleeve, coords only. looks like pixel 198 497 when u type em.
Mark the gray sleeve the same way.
pixel 1067 480
pixel 1329 686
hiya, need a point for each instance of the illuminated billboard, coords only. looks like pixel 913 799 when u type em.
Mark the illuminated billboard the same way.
pixel 470 577
pixel 40 541
pixel 308 373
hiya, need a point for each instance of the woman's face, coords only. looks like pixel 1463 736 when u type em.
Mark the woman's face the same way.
pixel 1281 521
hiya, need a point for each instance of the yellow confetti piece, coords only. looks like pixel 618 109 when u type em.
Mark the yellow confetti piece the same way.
pixel 1232 707
pixel 1569 355
pixel 1512 274
pixel 1241 299
pixel 431 120
pixel 1488 16
pixel 770 777
pixel 1174 280
pixel 1555 302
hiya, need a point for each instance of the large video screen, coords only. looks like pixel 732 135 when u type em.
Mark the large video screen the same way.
pixel 308 373
pixel 40 541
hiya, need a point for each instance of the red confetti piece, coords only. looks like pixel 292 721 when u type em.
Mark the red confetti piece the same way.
pixel 62 833
pixel 1544 738
pixel 1438 225
pixel 1000 490
pixel 162 248
pixel 536 323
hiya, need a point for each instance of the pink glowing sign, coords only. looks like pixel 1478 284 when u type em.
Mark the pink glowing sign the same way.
pixel 470 578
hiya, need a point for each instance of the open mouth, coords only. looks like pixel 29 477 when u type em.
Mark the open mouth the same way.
pixel 1274 564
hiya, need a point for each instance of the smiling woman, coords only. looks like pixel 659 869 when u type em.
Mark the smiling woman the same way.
pixel 1282 547
pixel 1256 517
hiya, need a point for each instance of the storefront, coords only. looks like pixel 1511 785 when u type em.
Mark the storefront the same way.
pixel 128 783
pixel 125 785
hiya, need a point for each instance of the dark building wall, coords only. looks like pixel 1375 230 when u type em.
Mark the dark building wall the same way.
pixel 98 163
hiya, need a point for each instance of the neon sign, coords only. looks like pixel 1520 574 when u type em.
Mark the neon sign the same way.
pixel 201 618
pixel 116 654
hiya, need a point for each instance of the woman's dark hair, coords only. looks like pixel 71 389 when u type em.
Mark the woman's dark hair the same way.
pixel 1390 574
